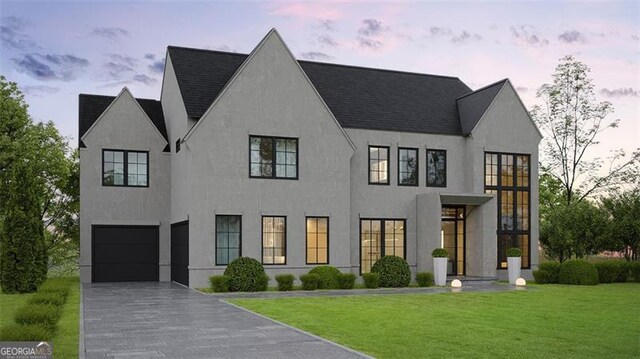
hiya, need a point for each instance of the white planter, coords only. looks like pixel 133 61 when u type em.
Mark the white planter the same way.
pixel 440 271
pixel 514 264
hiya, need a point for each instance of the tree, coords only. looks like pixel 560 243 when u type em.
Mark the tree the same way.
pixel 571 120
pixel 551 195
pixel 624 227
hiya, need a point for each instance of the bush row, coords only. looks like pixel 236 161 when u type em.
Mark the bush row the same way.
pixel 585 273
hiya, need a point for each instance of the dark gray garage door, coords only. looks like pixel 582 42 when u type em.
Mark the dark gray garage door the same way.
pixel 180 252
pixel 125 253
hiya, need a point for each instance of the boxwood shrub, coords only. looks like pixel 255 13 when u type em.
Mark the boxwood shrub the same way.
pixel 624 271
pixel 329 277
pixel 247 275
pixel 25 333
pixel 46 315
pixel 542 276
pixel 263 282
pixel 347 280
pixel 424 279
pixel 285 282
pixel 220 283
pixel 439 253
pixel 635 271
pixel 610 271
pixel 55 285
pixel 394 271
pixel 54 298
pixel 371 280
pixel 514 252
pixel 552 269
pixel 578 272
pixel 309 281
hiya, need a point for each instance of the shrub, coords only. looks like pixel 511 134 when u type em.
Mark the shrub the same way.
pixel 285 282
pixel 309 281
pixel 347 280
pixel 55 285
pixel 263 282
pixel 220 283
pixel 54 298
pixel 329 277
pixel 542 276
pixel 46 315
pixel 578 272
pixel 553 270
pixel 608 270
pixel 394 271
pixel 624 271
pixel 439 253
pixel 514 252
pixel 22 333
pixel 424 279
pixel 371 280
pixel 247 275
pixel 635 271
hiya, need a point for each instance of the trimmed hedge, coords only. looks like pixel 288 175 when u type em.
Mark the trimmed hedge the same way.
pixel 329 277
pixel 542 276
pixel 347 280
pixel 53 298
pixel 25 333
pixel 610 271
pixel 46 315
pixel 220 283
pixel 371 280
pixel 635 271
pixel 310 281
pixel 439 253
pixel 247 275
pixel 394 271
pixel 547 273
pixel 424 279
pixel 285 282
pixel 578 272
pixel 514 252
pixel 625 271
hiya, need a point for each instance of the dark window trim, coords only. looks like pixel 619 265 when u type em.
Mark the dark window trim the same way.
pixel 306 242
pixel 178 142
pixel 125 164
pixel 417 184
pixel 216 235
pixel 382 249
pixel 388 148
pixel 273 163
pixel 262 240
pixel 464 235
pixel 426 168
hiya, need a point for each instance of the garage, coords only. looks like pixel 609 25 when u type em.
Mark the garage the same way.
pixel 124 253
pixel 180 252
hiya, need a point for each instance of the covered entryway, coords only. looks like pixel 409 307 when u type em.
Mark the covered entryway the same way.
pixel 180 252
pixel 124 253
pixel 453 238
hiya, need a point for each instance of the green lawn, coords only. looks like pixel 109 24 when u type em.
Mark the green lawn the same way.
pixel 65 341
pixel 550 321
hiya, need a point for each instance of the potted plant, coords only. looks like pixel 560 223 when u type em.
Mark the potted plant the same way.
pixel 440 259
pixel 514 262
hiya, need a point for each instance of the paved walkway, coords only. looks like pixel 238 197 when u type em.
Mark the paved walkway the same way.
pixel 164 320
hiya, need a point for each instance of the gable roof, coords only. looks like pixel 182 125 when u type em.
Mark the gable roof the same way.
pixel 358 97
pixel 92 106
pixel 472 106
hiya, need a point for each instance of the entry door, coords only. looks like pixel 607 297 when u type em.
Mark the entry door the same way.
pixel 180 252
pixel 453 238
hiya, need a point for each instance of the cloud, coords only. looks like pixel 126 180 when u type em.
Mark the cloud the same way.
pixel 119 64
pixel 369 43
pixel 371 34
pixel 462 38
pixel 326 40
pixel 465 37
pixel 371 27
pixel 144 79
pixel 527 35
pixel 572 36
pixel 522 89
pixel 150 57
pixel 48 67
pixel 40 90
pixel 111 33
pixel 635 37
pixel 157 66
pixel 13 35
pixel 327 25
pixel 620 92
pixel 315 55
pixel 439 31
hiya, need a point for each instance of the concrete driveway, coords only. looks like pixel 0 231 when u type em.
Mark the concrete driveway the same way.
pixel 165 320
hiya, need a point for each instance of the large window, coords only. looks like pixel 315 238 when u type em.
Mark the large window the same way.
pixel 273 157
pixel 317 240
pixel 228 238
pixel 378 165
pixel 407 166
pixel 274 240
pixel 436 168
pixel 507 176
pixel 379 238
pixel 125 168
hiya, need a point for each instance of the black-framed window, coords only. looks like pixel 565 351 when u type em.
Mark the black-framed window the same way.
pixel 436 168
pixel 379 165
pixel 123 168
pixel 507 175
pixel 408 166
pixel 228 238
pixel 274 240
pixel 317 240
pixel 379 238
pixel 273 157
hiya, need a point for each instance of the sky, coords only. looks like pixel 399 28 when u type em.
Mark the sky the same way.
pixel 55 50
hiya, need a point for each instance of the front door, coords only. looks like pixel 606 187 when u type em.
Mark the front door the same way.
pixel 453 238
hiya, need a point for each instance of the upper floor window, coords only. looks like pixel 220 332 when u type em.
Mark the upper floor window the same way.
pixel 273 157
pixel 378 165
pixel 436 168
pixel 125 168
pixel 407 166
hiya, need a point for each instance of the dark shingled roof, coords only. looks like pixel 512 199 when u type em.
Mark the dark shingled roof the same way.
pixel 358 97
pixel 92 106
pixel 472 106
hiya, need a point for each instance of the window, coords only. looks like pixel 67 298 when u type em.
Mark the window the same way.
pixel 317 240
pixel 507 176
pixel 379 238
pixel 228 238
pixel 273 157
pixel 125 168
pixel 274 240
pixel 378 165
pixel 436 168
pixel 407 166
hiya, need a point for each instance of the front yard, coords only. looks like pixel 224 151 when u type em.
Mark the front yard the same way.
pixel 546 321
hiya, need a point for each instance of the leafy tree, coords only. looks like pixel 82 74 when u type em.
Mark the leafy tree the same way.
pixel 624 227
pixel 551 195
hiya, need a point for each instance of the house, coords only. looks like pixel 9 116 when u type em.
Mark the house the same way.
pixel 299 164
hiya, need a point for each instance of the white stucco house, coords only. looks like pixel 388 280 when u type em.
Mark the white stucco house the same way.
pixel 298 164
